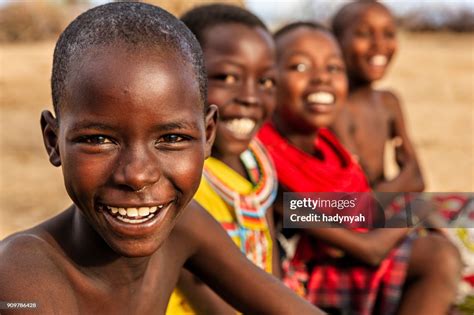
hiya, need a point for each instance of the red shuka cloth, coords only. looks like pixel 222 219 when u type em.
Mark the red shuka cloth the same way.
pixel 301 172
pixel 322 279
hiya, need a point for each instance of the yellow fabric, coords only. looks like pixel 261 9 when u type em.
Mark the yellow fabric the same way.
pixel 223 213
pixel 213 203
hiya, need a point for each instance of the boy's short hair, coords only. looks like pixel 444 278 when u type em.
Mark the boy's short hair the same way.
pixel 348 12
pixel 136 24
pixel 292 26
pixel 203 17
pixel 295 25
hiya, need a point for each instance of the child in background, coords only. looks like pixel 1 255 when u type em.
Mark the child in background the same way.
pixel 366 31
pixel 131 132
pixel 239 183
pixel 340 269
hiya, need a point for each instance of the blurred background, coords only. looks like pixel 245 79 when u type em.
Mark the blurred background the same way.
pixel 433 73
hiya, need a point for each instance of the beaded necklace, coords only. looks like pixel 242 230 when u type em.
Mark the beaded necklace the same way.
pixel 249 208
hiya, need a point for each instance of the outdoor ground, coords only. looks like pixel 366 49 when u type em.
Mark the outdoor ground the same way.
pixel 433 74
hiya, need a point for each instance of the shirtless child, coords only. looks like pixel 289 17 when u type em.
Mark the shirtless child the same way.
pixel 366 32
pixel 131 131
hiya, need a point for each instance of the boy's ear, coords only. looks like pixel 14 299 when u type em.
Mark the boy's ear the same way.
pixel 212 115
pixel 49 128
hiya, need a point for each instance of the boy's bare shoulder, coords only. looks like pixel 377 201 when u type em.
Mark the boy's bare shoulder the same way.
pixel 192 223
pixel 195 229
pixel 23 247
pixel 390 99
pixel 27 252
pixel 27 261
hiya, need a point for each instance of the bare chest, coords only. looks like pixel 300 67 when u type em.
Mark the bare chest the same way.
pixel 117 302
pixel 372 127
pixel 372 121
pixel 147 295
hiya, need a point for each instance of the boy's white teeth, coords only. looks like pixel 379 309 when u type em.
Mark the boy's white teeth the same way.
pixel 128 220
pixel 321 98
pixel 378 60
pixel 132 212
pixel 134 215
pixel 240 126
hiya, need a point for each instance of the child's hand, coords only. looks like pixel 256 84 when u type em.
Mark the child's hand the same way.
pixel 400 154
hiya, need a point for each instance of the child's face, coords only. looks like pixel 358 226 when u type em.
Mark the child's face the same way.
pixel 369 43
pixel 240 67
pixel 312 83
pixel 132 139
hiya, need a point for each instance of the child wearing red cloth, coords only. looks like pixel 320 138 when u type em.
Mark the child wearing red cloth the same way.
pixel 362 273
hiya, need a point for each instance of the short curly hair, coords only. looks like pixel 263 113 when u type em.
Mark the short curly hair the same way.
pixel 348 13
pixel 131 23
pixel 203 17
pixel 295 25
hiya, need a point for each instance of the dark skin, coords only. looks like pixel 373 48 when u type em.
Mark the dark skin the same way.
pixel 241 71
pixel 373 117
pixel 131 134
pixel 294 119
pixel 324 70
pixel 302 72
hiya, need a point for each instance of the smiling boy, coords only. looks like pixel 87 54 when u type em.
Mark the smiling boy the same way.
pixel 366 31
pixel 131 131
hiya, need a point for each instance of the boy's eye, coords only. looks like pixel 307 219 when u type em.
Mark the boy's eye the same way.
pixel 362 33
pixel 299 67
pixel 171 138
pixel 228 79
pixel 335 68
pixel 95 140
pixel 389 34
pixel 267 83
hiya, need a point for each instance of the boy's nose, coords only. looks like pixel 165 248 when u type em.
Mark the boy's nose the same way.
pixel 379 41
pixel 319 76
pixel 248 94
pixel 137 170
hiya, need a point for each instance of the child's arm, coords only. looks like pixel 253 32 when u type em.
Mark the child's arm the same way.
pixel 371 247
pixel 276 271
pixel 202 299
pixel 410 178
pixel 206 301
pixel 219 263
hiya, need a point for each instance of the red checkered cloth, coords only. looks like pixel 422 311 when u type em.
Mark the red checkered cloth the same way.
pixel 324 280
pixel 448 205
pixel 346 284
